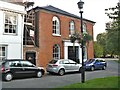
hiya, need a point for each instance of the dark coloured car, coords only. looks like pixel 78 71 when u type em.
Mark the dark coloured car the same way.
pixel 15 68
pixel 95 63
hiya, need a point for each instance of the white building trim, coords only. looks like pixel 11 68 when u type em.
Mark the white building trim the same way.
pixel 5 6
pixel 67 43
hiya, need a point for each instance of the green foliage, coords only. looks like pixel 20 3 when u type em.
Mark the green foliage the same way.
pixel 115 12
pixel 76 37
pixel 101 40
pixel 98 50
pixel 113 39
pixel 113 33
pixel 85 37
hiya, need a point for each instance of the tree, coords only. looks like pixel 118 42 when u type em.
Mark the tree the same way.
pixel 112 41
pixel 101 40
pixel 113 32
pixel 98 50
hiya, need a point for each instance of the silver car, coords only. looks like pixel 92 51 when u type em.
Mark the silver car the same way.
pixel 62 66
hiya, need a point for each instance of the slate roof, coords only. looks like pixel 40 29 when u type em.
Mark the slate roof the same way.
pixel 59 11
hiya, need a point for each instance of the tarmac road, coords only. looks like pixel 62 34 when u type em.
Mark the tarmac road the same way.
pixel 53 81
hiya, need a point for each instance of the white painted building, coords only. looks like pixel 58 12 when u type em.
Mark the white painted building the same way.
pixel 11 30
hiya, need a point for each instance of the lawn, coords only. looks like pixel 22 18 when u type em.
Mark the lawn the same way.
pixel 108 82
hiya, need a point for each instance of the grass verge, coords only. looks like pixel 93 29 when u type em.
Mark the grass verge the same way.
pixel 107 82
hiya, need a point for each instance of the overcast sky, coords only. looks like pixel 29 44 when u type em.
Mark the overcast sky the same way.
pixel 93 10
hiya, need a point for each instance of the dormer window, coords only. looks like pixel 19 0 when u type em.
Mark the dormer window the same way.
pixel 56 26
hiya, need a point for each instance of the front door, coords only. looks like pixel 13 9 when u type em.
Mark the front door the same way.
pixel 73 53
pixel 31 56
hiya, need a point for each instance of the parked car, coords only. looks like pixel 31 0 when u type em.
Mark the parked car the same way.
pixel 63 66
pixel 14 68
pixel 95 63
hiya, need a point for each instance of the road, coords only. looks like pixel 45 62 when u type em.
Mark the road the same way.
pixel 52 81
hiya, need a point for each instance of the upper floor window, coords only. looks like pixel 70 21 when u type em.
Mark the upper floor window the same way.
pixel 56 51
pixel 84 28
pixel 10 23
pixel 56 25
pixel 72 28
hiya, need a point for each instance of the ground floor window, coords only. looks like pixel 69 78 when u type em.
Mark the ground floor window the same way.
pixel 56 51
pixel 3 52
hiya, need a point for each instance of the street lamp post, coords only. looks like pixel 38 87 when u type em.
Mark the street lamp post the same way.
pixel 80 6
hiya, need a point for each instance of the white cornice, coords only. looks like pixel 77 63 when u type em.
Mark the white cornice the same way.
pixel 10 7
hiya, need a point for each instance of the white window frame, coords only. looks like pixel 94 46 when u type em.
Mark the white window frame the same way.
pixel 72 28
pixel 3 52
pixel 56 53
pixel 84 28
pixel 10 26
pixel 56 26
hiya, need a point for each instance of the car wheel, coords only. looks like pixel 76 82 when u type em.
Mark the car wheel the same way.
pixel 80 69
pixel 61 72
pixel 92 68
pixel 104 67
pixel 8 77
pixel 39 74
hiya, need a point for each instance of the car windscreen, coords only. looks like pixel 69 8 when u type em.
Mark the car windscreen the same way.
pixel 89 61
pixel 101 60
pixel 53 61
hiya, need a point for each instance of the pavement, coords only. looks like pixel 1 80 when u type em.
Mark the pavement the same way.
pixel 111 59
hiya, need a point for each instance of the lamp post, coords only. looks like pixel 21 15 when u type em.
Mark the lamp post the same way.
pixel 80 6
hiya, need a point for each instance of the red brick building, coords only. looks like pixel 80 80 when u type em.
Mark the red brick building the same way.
pixel 50 36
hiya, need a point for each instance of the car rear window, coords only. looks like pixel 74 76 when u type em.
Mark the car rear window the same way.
pixel 5 64
pixel 53 61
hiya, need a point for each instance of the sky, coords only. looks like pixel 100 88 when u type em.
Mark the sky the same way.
pixel 93 10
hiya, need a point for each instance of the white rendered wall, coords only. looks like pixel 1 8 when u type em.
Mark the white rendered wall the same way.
pixel 14 43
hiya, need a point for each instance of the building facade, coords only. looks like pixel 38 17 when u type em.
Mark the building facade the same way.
pixel 50 36
pixel 11 30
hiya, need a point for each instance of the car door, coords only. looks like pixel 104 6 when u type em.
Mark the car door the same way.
pixel 66 65
pixel 28 68
pixel 102 63
pixel 74 65
pixel 16 68
pixel 97 64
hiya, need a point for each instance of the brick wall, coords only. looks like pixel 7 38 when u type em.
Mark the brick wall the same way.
pixel 47 40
